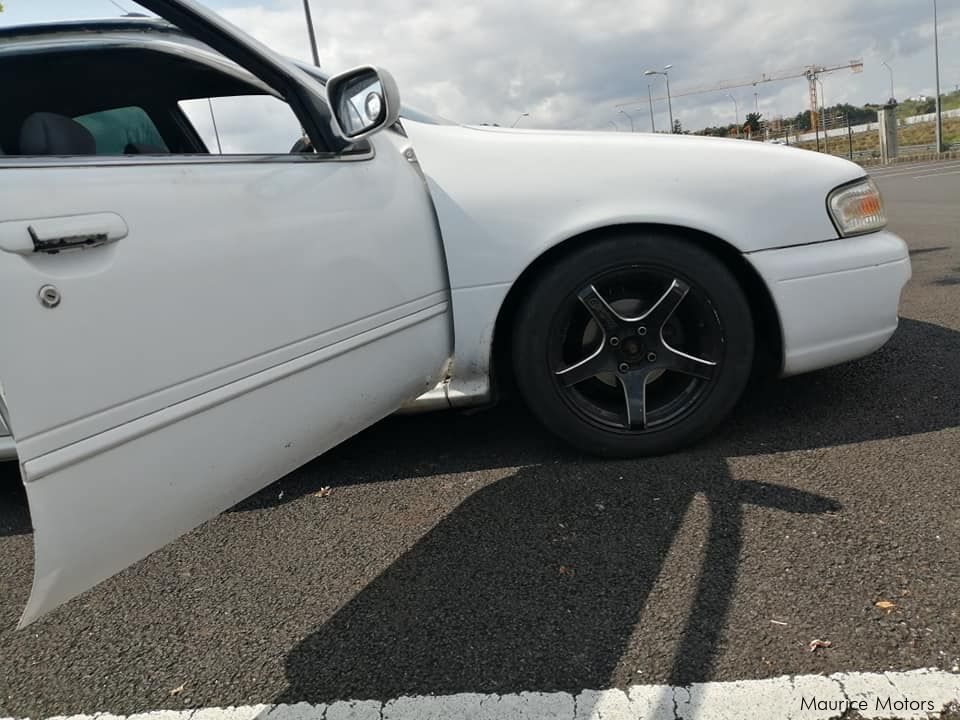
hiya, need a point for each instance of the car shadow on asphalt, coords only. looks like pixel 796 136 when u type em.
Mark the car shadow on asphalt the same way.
pixel 526 583
pixel 923 251
pixel 14 516
pixel 905 388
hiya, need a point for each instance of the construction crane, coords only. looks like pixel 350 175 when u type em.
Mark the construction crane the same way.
pixel 810 72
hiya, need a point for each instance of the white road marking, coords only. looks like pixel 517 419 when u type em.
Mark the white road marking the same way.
pixel 914 694
pixel 941 174
pixel 911 169
pixel 914 167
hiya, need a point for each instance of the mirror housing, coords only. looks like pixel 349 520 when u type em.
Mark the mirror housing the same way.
pixel 363 101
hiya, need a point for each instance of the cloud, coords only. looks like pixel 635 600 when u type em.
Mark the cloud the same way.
pixel 569 62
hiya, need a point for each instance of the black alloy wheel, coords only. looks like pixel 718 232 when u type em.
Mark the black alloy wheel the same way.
pixel 635 344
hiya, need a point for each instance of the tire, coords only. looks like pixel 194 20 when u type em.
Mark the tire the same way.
pixel 662 321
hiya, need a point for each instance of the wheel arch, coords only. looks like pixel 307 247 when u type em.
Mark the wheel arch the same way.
pixel 766 319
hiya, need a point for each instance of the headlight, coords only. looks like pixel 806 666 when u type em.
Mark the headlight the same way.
pixel 857 208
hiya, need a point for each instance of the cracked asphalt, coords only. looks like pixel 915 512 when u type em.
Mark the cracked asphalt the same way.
pixel 474 553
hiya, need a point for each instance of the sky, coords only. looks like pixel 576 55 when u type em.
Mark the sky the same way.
pixel 570 63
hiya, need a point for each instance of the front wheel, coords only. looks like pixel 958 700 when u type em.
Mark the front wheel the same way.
pixel 636 344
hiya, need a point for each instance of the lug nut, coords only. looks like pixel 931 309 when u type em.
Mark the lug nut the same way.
pixel 641 330
pixel 615 341
pixel 624 367
pixel 652 357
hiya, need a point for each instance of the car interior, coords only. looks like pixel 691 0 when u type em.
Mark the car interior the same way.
pixel 98 102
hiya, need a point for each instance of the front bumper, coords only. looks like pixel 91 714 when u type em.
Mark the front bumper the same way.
pixel 837 300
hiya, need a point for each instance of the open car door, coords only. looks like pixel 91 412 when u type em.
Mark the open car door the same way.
pixel 180 331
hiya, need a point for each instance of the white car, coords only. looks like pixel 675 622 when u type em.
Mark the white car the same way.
pixel 181 327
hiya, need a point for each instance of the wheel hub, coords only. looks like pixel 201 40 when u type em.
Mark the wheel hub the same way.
pixel 632 348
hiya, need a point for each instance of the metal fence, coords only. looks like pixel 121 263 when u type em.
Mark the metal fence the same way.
pixel 866 127
pixel 905 151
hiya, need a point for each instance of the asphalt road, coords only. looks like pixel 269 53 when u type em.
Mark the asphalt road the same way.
pixel 474 553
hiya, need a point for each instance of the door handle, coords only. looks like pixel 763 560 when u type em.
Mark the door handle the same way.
pixel 70 232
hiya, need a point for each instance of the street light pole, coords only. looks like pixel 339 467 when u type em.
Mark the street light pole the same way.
pixel 522 115
pixel 312 32
pixel 615 128
pixel 890 70
pixel 736 111
pixel 936 57
pixel 653 125
pixel 629 117
pixel 666 76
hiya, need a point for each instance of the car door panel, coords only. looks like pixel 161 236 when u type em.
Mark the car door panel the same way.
pixel 108 501
pixel 181 331
pixel 254 314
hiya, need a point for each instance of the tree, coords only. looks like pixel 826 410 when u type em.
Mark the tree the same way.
pixel 752 122
pixel 677 128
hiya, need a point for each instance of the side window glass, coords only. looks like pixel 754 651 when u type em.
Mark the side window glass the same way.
pixel 123 131
pixel 244 124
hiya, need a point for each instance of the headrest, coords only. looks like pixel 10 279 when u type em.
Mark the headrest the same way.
pixel 51 134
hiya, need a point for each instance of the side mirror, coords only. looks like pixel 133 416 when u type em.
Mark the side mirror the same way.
pixel 363 101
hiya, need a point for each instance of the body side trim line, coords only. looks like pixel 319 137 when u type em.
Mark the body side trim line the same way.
pixel 796 245
pixel 499 283
pixel 841 272
pixel 43 162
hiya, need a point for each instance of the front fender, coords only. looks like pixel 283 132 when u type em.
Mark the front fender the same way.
pixel 505 197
